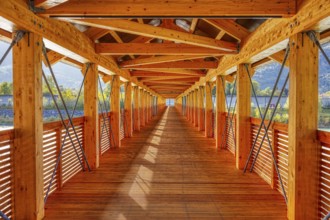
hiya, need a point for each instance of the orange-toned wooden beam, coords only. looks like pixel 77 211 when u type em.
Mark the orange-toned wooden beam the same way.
pixel 194 64
pixel 157 49
pixel 129 8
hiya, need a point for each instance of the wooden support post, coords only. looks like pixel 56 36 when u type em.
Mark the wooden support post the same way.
pixel 128 110
pixel 91 129
pixel 150 106
pixel 191 119
pixel 304 150
pixel 28 156
pixel 201 115
pixel 146 107
pixel 220 112
pixel 188 106
pixel 136 108
pixel 142 112
pixel 115 111
pixel 208 110
pixel 196 107
pixel 243 116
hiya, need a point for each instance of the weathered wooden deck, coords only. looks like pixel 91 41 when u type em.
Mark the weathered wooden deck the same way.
pixel 169 170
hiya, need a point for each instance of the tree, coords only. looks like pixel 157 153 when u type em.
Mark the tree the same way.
pixel 6 88
pixel 256 86
pixel 51 83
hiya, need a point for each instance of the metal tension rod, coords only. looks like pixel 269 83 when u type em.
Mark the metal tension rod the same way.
pixel 18 36
pixel 2 215
pixel 266 134
pixel 105 108
pixel 230 116
pixel 267 107
pixel 66 134
pixel 64 105
pixel 312 36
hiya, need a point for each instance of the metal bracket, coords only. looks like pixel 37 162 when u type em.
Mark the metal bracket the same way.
pixel 35 9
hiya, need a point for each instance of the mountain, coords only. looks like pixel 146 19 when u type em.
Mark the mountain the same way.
pixel 71 77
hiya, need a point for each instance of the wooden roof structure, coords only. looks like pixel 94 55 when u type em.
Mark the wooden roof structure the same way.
pixel 165 49
pixel 169 47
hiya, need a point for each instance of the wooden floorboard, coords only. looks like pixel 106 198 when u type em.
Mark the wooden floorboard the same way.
pixel 168 170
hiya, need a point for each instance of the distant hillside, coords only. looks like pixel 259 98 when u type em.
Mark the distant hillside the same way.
pixel 71 77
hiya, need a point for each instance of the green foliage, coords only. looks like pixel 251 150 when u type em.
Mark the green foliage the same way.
pixel 6 88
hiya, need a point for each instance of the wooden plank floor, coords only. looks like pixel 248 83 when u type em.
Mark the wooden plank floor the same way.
pixel 169 170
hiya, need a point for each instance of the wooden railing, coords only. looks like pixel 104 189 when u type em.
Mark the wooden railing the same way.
pixel 6 172
pixel 105 133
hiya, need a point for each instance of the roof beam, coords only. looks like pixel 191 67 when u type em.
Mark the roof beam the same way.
pixel 156 49
pixel 141 73
pixel 177 71
pixel 47 4
pixel 79 47
pixel 189 8
pixel 132 27
pixel 272 33
pixel 179 64
pixel 230 27
pixel 160 59
pixel 168 79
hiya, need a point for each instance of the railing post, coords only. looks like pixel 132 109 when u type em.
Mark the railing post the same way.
pixel 196 107
pixel 220 113
pixel 208 110
pixel 115 111
pixel 128 110
pixel 137 115
pixel 304 149
pixel 91 127
pixel 28 142
pixel 142 112
pixel 201 116
pixel 58 147
pixel 243 115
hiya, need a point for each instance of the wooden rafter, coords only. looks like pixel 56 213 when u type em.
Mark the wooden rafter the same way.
pixel 230 27
pixel 190 8
pixel 177 71
pixel 95 33
pixel 117 38
pixel 200 64
pixel 169 79
pixel 157 32
pixel 159 59
pixel 142 73
pixel 156 49
pixel 193 25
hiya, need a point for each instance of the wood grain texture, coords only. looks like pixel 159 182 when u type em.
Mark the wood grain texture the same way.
pixel 220 112
pixel 169 170
pixel 115 110
pixel 136 112
pixel 91 129
pixel 304 150
pixel 128 110
pixel 208 110
pixel 28 154
pixel 243 115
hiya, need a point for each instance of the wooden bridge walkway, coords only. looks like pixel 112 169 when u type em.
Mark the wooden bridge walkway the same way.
pixel 168 170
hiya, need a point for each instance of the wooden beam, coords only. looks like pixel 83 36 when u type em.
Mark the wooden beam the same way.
pixel 177 71
pixel 136 101
pixel 188 8
pixel 146 118
pixel 156 49
pixel 243 115
pixel 208 110
pixel 53 57
pixel 220 121
pixel 230 27
pixel 158 59
pixel 141 73
pixel 201 116
pixel 304 148
pixel 193 25
pixel 28 152
pixel 279 57
pixel 47 4
pixel 132 27
pixel 91 113
pixel 128 110
pixel 60 33
pixel 272 34
pixel 179 78
pixel 115 111
pixel 200 64
pixel 117 38
pixel 95 33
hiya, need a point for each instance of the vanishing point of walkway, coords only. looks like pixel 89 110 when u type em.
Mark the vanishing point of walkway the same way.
pixel 168 170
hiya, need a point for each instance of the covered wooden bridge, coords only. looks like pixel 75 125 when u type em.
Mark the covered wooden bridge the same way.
pixel 141 159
